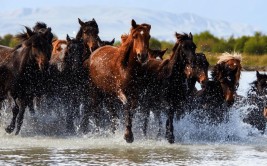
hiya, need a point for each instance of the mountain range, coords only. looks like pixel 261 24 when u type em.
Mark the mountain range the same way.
pixel 113 22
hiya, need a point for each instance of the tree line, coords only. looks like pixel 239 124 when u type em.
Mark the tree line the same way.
pixel 205 41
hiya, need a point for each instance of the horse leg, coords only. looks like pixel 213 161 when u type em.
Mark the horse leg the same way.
pixel 85 119
pixel 23 105
pixel 146 120
pixel 31 107
pixel 158 118
pixel 71 109
pixel 169 126
pixel 15 110
pixel 128 135
pixel 113 116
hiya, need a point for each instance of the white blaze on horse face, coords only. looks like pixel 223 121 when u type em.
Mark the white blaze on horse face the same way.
pixel 142 32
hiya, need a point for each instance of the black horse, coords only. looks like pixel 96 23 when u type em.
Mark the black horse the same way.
pixel 257 98
pixel 67 86
pixel 23 71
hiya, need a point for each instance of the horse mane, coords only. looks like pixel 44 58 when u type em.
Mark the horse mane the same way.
pixel 23 35
pixel 222 59
pixel 228 56
pixel 79 34
pixel 183 37
pixel 39 25
pixel 125 49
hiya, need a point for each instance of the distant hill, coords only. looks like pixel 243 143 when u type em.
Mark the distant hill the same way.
pixel 116 21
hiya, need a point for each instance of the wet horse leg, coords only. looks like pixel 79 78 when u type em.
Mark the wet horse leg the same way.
pixel 91 108
pixel 128 135
pixel 146 120
pixel 20 117
pixel 113 115
pixel 169 126
pixel 15 110
pixel 158 118
pixel 72 109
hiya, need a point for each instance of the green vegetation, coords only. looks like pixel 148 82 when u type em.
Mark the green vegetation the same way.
pixel 253 48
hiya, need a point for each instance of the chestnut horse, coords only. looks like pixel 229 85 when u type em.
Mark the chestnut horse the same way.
pixel 115 70
pixel 23 71
pixel 219 94
pixel 257 97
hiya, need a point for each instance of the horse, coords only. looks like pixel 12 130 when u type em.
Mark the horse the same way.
pixel 257 97
pixel 89 33
pixel 166 80
pixel 23 70
pixel 156 54
pixel 114 71
pixel 68 83
pixel 218 94
pixel 58 51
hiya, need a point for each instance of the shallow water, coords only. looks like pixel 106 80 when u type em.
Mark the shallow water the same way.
pixel 231 143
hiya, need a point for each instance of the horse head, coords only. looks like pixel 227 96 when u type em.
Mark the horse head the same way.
pixel 140 36
pixel 184 53
pixel 156 54
pixel 227 71
pixel 261 84
pixel 36 47
pixel 89 33
pixel 200 70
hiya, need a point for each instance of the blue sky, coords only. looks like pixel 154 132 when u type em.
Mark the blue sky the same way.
pixel 253 12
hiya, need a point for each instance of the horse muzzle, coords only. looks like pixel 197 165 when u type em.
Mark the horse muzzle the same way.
pixel 142 58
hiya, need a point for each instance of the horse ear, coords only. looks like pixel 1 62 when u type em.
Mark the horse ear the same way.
pixel 93 20
pixel 134 25
pixel 80 22
pixel 163 52
pixel 257 74
pixel 191 36
pixel 112 41
pixel 29 32
pixel 68 38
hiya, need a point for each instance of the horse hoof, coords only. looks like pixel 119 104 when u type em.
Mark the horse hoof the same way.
pixel 129 139
pixel 9 129
pixel 17 133
pixel 170 138
pixel 128 136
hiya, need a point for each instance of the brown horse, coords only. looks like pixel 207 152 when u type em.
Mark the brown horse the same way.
pixel 23 71
pixel 89 33
pixel 114 70
pixel 219 93
pixel 58 51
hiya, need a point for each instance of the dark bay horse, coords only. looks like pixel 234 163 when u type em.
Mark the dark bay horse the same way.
pixel 115 71
pixel 68 83
pixel 166 80
pixel 257 97
pixel 219 93
pixel 89 33
pixel 23 71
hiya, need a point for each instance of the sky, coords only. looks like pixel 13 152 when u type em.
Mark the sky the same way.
pixel 250 12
